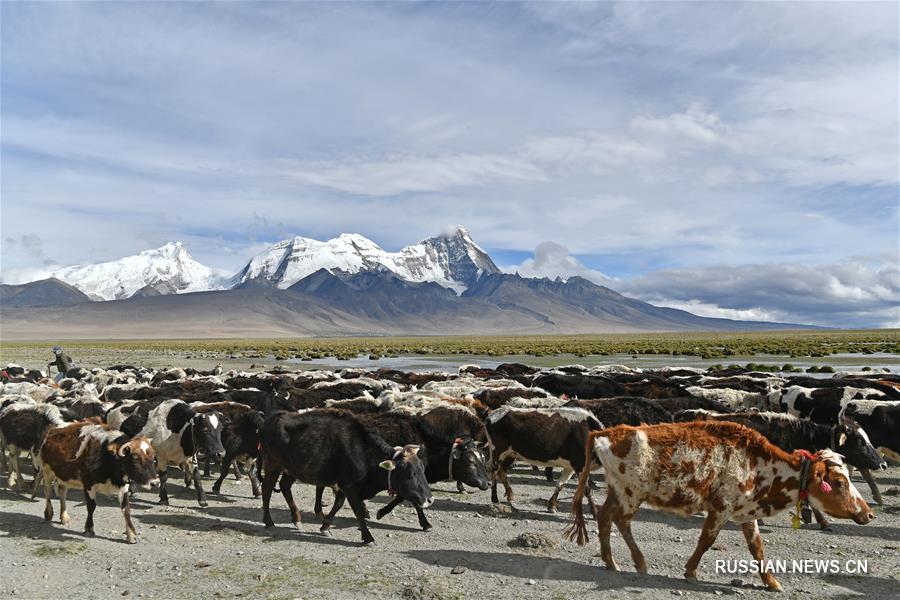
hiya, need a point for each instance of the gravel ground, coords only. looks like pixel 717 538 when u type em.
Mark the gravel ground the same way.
pixel 475 550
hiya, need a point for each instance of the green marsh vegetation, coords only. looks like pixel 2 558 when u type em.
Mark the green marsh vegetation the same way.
pixel 792 344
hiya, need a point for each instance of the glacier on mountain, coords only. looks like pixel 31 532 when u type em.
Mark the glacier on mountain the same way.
pixel 452 260
pixel 169 269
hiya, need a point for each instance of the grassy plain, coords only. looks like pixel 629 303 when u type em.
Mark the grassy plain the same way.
pixel 790 344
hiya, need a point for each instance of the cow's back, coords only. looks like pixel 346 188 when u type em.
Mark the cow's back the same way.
pixel 317 447
pixel 535 435
pixel 686 467
pixel 62 452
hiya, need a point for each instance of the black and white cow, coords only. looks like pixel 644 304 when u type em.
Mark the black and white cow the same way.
pixel 881 420
pixel 23 426
pixel 822 405
pixel 177 434
pixel 547 437
pixel 329 448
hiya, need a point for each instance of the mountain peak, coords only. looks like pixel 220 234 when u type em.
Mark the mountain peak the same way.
pixel 451 259
pixel 174 249
pixel 167 269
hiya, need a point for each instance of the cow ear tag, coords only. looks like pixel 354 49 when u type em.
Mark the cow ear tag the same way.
pixel 387 465
pixel 826 487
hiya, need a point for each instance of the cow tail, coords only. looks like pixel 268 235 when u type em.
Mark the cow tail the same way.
pixel 577 530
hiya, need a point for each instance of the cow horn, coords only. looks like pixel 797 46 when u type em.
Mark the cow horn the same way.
pixel 398 450
pixel 122 450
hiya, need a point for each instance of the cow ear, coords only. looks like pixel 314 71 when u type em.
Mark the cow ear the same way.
pixel 842 439
pixel 387 465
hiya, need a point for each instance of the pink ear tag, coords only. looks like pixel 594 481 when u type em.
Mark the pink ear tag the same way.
pixel 826 487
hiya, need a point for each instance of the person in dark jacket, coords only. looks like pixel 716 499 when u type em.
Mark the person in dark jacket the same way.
pixel 63 362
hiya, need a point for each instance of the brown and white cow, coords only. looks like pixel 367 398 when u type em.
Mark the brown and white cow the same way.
pixel 730 471
pixel 96 459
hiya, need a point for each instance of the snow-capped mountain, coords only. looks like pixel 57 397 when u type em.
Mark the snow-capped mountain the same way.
pixel 166 270
pixel 452 260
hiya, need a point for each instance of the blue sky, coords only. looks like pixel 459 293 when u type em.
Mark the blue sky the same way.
pixel 692 154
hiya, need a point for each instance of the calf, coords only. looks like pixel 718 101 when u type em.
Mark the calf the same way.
pixel 548 437
pixel 22 429
pixel 96 459
pixel 730 471
pixel 790 433
pixel 177 433
pixel 333 448
pixel 230 412
pixel 240 438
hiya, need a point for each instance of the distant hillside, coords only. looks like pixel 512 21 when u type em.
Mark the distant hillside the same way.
pixel 363 304
pixel 45 292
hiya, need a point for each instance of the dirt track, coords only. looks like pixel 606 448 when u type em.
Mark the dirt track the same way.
pixel 185 551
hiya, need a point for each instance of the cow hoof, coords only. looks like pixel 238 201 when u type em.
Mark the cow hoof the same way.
pixel 379 515
pixel 369 542
pixel 551 508
pixel 203 503
pixel 64 519
pixel 427 528
pixel 216 490
pixel 89 533
pixel 269 525
pixel 131 539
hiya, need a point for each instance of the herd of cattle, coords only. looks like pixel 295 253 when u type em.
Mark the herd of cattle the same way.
pixel 734 444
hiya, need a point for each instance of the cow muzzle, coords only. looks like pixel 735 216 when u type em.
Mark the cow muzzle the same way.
pixel 428 502
pixel 152 484
pixel 863 518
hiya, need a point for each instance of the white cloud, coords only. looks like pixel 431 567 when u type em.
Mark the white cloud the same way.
pixel 861 291
pixel 553 260
pixel 858 292
pixel 395 175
